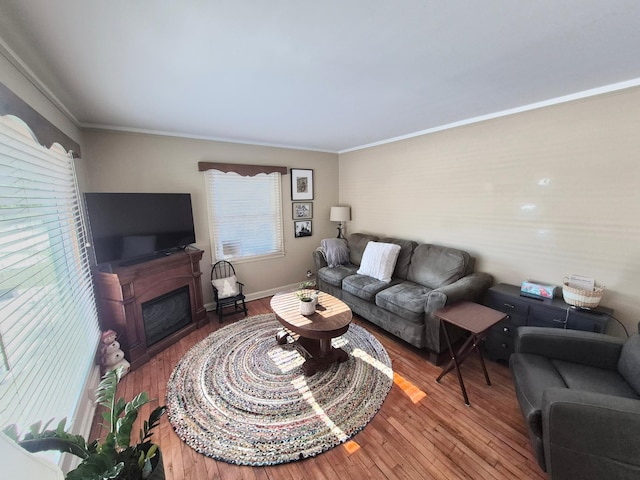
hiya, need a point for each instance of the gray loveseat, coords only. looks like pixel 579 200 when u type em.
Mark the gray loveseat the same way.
pixel 579 393
pixel 426 277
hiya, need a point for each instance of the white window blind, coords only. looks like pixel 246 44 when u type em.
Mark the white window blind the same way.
pixel 245 215
pixel 48 322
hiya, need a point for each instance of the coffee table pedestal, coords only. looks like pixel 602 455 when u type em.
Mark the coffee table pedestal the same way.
pixel 313 333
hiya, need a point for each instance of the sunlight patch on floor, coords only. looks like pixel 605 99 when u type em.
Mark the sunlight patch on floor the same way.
pixel 413 392
pixel 351 447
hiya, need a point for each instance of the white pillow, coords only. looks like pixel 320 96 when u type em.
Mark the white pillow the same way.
pixel 227 287
pixel 379 260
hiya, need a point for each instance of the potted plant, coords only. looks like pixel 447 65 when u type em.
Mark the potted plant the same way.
pixel 116 457
pixel 308 297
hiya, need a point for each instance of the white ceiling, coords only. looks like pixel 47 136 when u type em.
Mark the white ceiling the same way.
pixel 327 75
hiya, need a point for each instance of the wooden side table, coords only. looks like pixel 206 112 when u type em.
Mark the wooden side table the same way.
pixel 474 318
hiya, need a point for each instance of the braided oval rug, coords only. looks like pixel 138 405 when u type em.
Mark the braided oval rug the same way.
pixel 239 397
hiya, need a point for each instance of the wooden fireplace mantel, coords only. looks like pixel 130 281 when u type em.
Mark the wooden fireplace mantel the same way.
pixel 121 292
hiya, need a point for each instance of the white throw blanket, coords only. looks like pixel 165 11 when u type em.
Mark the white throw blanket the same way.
pixel 335 251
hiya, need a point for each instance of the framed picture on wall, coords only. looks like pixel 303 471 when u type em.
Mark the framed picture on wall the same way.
pixel 301 184
pixel 302 228
pixel 302 210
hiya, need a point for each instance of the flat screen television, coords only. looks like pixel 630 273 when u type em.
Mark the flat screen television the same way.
pixel 130 228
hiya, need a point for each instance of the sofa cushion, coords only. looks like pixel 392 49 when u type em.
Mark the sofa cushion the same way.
pixel 404 257
pixel 629 363
pixel 532 375
pixel 334 276
pixel 435 266
pixel 363 286
pixel 379 260
pixel 406 299
pixel 593 379
pixel 357 244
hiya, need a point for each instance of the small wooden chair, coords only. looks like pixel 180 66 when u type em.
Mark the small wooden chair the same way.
pixel 227 290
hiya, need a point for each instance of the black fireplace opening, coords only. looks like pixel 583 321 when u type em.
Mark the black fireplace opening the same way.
pixel 166 314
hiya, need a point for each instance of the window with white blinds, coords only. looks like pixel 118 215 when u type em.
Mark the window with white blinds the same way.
pixel 48 322
pixel 245 215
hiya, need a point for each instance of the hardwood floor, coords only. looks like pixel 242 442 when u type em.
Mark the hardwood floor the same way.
pixel 423 430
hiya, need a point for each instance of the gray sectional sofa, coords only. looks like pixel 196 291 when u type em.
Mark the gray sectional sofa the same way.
pixel 426 277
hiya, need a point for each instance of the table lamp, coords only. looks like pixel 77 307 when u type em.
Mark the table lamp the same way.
pixel 340 214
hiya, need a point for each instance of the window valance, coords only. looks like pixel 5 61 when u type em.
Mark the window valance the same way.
pixel 241 169
pixel 46 132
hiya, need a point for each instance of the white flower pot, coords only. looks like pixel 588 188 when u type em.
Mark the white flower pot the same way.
pixel 307 308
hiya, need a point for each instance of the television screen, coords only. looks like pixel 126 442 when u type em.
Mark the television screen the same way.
pixel 135 226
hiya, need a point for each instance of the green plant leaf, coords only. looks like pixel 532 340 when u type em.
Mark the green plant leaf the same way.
pixel 38 441
pixel 109 445
pixel 124 426
pixel 154 419
pixel 141 459
pixel 106 390
pixel 11 431
pixel 106 416
pixel 135 404
pixel 96 467
pixel 34 429
pixel 61 426
pixel 119 407
pixel 152 451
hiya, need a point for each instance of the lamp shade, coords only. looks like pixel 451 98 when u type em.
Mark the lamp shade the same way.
pixel 340 214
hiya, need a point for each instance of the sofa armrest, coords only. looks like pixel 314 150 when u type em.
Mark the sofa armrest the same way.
pixel 319 260
pixel 590 435
pixel 575 346
pixel 470 287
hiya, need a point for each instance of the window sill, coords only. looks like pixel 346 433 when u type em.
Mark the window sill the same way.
pixel 256 258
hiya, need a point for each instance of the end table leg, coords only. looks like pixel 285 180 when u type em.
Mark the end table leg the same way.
pixel 484 367
pixel 455 363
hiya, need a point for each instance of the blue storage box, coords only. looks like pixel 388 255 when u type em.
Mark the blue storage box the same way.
pixel 537 290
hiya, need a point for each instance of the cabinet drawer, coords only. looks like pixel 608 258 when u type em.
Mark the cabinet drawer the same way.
pixel 499 346
pixel 540 316
pixel 588 321
pixel 509 325
pixel 513 306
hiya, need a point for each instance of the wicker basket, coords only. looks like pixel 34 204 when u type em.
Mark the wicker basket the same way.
pixel 582 298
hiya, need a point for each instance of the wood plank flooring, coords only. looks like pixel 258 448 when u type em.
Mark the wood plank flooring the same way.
pixel 423 430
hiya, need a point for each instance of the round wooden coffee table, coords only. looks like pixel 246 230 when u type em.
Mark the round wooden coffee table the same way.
pixel 314 332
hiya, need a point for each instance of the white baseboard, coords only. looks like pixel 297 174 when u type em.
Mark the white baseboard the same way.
pixel 210 307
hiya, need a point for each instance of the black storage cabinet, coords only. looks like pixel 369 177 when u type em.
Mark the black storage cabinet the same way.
pixel 522 310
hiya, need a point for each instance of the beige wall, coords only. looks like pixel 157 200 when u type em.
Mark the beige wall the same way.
pixel 538 195
pixel 125 162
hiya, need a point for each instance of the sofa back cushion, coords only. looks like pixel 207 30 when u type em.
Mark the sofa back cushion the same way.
pixel 435 266
pixel 357 244
pixel 629 363
pixel 404 257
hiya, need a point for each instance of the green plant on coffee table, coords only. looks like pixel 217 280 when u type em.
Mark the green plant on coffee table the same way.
pixel 115 457
pixel 306 290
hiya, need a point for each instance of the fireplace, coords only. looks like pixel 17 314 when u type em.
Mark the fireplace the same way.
pixel 165 315
pixel 153 304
